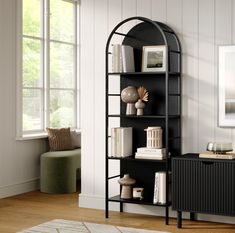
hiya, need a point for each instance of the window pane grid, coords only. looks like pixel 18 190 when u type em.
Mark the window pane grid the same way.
pixel 63 42
pixel 51 92
pixel 32 37
pixel 32 63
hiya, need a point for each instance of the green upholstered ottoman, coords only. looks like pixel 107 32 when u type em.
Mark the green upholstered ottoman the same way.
pixel 59 171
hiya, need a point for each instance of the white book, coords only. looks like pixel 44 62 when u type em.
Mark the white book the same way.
pixel 121 141
pixel 156 188
pixel 127 58
pixel 116 58
pixel 211 155
pixel 160 188
pixel 154 151
pixel 149 156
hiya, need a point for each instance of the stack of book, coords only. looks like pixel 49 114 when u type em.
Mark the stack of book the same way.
pixel 121 141
pixel 150 153
pixel 122 58
pixel 211 155
pixel 159 196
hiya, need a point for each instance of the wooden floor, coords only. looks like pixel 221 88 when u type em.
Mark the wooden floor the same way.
pixel 30 209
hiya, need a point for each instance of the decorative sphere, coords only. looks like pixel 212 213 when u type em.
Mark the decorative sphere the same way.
pixel 129 94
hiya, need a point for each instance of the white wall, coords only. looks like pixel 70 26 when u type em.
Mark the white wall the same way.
pixel 201 25
pixel 19 160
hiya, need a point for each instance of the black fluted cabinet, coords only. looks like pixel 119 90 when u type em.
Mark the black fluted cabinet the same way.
pixel 201 185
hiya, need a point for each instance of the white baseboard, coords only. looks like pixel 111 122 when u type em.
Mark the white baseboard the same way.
pixel 98 202
pixel 19 188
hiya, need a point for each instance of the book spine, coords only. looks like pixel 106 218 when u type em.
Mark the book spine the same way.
pixel 216 156
pixel 126 138
pixel 113 142
pixel 116 58
pixel 151 150
pixel 162 188
pixel 150 156
pixel 118 143
pixel 156 189
pixel 123 54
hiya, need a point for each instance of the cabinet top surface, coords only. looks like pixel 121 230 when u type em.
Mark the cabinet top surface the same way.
pixel 195 156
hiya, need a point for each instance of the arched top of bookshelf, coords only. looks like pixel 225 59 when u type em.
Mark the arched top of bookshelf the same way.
pixel 147 32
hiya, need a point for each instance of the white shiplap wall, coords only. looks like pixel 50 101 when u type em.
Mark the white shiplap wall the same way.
pixel 201 25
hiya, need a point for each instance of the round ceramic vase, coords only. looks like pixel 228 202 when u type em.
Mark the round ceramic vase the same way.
pixel 126 182
pixel 130 95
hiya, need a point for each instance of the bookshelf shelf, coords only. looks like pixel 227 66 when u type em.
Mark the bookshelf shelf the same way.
pixel 136 201
pixel 144 116
pixel 134 74
pixel 131 158
pixel 163 108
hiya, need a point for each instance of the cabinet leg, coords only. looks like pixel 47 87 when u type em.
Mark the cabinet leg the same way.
pixel 192 216
pixel 179 219
pixel 121 207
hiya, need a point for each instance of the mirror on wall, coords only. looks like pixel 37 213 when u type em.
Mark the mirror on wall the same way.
pixel 226 86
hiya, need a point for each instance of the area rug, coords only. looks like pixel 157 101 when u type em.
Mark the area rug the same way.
pixel 66 226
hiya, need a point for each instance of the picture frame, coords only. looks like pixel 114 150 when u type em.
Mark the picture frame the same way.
pixel 154 58
pixel 226 89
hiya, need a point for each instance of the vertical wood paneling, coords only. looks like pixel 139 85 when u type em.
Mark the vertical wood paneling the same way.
pixel 190 75
pixel 129 10
pixel 114 13
pixel 100 25
pixel 223 35
pixel 174 15
pixel 158 10
pixel 115 16
pixel 206 75
pixel 144 8
pixel 87 96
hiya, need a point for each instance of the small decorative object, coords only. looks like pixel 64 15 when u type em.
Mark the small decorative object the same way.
pixel 219 148
pixel 154 137
pixel 154 58
pixel 130 95
pixel 143 97
pixel 138 193
pixel 126 181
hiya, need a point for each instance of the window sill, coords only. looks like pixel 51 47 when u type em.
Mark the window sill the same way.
pixel 32 136
pixel 37 136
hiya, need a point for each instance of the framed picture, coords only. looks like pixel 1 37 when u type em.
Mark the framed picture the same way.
pixel 154 58
pixel 226 87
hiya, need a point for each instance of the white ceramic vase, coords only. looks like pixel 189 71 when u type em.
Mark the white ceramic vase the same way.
pixel 126 182
pixel 130 95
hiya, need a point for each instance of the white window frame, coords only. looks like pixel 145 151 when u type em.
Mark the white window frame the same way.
pixel 34 134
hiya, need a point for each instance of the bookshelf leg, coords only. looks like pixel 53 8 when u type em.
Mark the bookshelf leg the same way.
pixel 167 216
pixel 106 209
pixel 179 219
pixel 121 207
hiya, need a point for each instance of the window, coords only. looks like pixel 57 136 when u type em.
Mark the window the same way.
pixel 48 50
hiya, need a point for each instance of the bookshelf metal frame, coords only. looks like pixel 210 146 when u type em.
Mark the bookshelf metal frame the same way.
pixel 166 37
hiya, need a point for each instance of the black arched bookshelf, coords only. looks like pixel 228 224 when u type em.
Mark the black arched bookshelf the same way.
pixel 163 108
